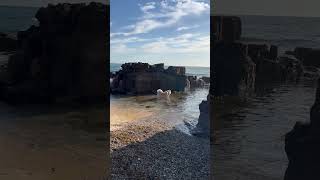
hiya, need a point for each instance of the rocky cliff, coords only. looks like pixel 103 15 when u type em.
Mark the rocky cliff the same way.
pixel 64 57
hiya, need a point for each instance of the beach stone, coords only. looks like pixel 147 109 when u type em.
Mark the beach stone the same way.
pixel 302 145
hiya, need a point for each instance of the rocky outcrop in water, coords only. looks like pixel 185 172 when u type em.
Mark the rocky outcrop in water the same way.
pixel 234 71
pixel 142 78
pixel 239 67
pixel 203 126
pixel 302 145
pixel 63 57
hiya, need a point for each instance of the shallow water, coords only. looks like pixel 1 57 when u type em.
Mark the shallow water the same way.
pixel 180 111
pixel 249 137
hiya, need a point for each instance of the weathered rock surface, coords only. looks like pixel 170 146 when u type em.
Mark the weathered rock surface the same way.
pixel 203 126
pixel 302 145
pixel 234 72
pixel 64 56
pixel 142 78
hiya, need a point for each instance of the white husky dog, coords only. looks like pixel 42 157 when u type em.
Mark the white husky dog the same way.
pixel 166 93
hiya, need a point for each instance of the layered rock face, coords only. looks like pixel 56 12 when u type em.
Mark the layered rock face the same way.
pixel 65 56
pixel 302 145
pixel 234 71
pixel 142 78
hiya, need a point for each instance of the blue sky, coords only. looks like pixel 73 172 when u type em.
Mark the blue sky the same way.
pixel 175 32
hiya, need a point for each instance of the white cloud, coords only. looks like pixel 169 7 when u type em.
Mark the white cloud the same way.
pixel 170 12
pixel 148 6
pixel 183 28
pixel 186 43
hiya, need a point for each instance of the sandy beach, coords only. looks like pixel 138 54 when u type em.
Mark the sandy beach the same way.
pixel 51 143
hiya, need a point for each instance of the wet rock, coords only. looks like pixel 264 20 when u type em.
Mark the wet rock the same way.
pixel 206 79
pixel 302 145
pixel 196 82
pixel 203 126
pixel 233 71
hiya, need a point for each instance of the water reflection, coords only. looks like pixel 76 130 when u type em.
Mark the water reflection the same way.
pixel 249 135
pixel 180 110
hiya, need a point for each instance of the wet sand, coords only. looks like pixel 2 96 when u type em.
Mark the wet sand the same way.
pixel 46 143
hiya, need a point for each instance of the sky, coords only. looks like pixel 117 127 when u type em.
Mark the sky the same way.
pixel 305 8
pixel 174 32
pixel 40 3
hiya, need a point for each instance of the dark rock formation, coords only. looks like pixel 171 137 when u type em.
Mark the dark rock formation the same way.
pixel 284 68
pixel 196 82
pixel 64 57
pixel 142 78
pixel 234 72
pixel 302 145
pixel 7 44
pixel 226 28
pixel 203 126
